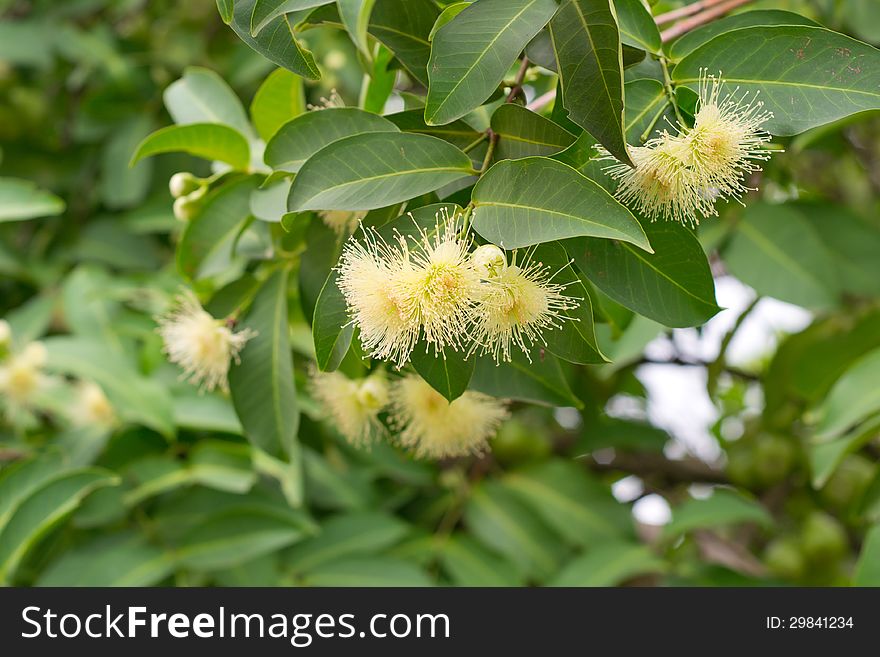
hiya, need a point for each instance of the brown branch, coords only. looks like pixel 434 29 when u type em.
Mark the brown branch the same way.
pixel 647 464
pixel 700 19
pixel 684 12
pixel 516 89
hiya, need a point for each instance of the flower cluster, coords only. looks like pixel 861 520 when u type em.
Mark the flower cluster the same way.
pixel 433 287
pixel 426 422
pixel 681 175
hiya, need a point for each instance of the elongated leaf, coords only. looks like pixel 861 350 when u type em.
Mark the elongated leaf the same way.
pixel 646 106
pixel 331 329
pixel 206 412
pixel 868 567
pixel 807 76
pixel 279 99
pixel 374 170
pixel 689 42
pixel 855 397
pixel 522 133
pixel 225 9
pixel 588 55
pixel 297 140
pixel 540 381
pixel 776 251
pixel 458 132
pixel 355 15
pixel 116 560
pixel 42 510
pixel 265 11
pixel 262 385
pixel 208 242
pixel 19 480
pixel 470 564
pixel 403 26
pixel 523 202
pixel 449 373
pixel 825 457
pixel 724 507
pixel 673 286
pixel 609 564
pixel 21 199
pixel 471 53
pixel 212 141
pixel 234 537
pixel 275 41
pixel 637 26
pixel 202 96
pixel 367 571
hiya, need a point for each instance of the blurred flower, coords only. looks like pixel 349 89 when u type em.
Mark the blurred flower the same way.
pixel 21 375
pixel 341 222
pixel 352 405
pixel 202 345
pixel 517 305
pixel 435 428
pixel 91 406
pixel 333 100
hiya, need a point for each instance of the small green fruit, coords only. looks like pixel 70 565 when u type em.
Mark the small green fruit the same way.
pixel 784 558
pixel 774 457
pixel 823 539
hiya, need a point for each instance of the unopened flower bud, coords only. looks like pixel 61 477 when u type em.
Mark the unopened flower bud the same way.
pixel 183 183
pixel 185 209
pixel 489 261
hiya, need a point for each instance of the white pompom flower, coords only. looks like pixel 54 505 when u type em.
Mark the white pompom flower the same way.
pixel 353 406
pixel 435 428
pixel 202 345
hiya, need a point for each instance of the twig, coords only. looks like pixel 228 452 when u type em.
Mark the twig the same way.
pixel 516 89
pixel 687 10
pixel 700 19
pixel 646 464
pixel 542 101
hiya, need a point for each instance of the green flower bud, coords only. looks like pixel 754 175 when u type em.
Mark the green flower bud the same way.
pixel 183 183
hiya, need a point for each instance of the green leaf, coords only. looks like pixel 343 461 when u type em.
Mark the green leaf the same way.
pixel 124 559
pixel 646 105
pixel 355 15
pixel 297 140
pixel 470 564
pixel 776 251
pixel 807 76
pixel 458 133
pixel 382 77
pixel 230 538
pixel 522 133
pixel 637 26
pixel 275 41
pixel 212 141
pixel 206 412
pixel 121 186
pixel 135 398
pixel 448 372
pixel 854 397
pixel 208 242
pixel 279 99
pixel 867 571
pixel 265 11
pixel 568 499
pixel 262 387
pixel 222 465
pixel 225 9
pixel 344 536
pixel 673 286
pixel 19 480
pixel 500 521
pixel 724 507
pixel 535 199
pixel 471 54
pixel 540 381
pixel 609 565
pixel 22 199
pixel 202 96
pixel 42 510
pixel 403 27
pixel 368 572
pixel 689 42
pixel 825 457
pixel 331 329
pixel 587 47
pixel 374 170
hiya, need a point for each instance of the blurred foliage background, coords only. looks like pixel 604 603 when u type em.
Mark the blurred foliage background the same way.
pixel 152 497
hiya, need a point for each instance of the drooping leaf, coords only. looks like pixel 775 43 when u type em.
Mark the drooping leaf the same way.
pixel 331 329
pixel 807 76
pixel 522 133
pixel 535 199
pixel 212 141
pixel 448 372
pixel 673 286
pixel 297 140
pixel 471 54
pixel 540 381
pixel 225 9
pixel 355 15
pixel 470 564
pixel 202 96
pixel 373 170
pixel 279 99
pixel 22 199
pixel 587 46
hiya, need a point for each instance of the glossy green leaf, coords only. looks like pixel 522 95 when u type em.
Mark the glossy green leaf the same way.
pixel 275 41
pixel 587 46
pixel 262 387
pixel 22 199
pixel 355 15
pixel 42 510
pixel 458 132
pixel 202 96
pixel 331 329
pixel 807 76
pixel 19 480
pixel 637 26
pixel 854 397
pixel 470 564
pixel 776 251
pixel 533 200
pixel 208 241
pixel 609 564
pixel 265 11
pixel 212 141
pixel 206 412
pixel 692 40
pixel 471 54
pixel 673 286
pixel 367 571
pixel 297 140
pixel 279 99
pixel 724 507
pixel 522 133
pixel 448 372
pixel 404 27
pixel 225 8
pixel 374 170
pixel 540 381
pixel 646 106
